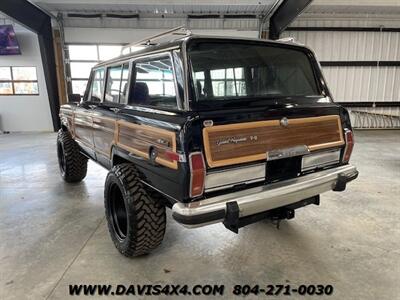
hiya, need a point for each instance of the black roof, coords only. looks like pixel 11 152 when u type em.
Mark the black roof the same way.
pixel 177 43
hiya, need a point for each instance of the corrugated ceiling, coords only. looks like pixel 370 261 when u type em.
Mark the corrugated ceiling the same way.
pixel 214 6
pixel 150 7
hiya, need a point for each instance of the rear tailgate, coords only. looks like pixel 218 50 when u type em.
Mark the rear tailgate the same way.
pixel 269 144
pixel 237 143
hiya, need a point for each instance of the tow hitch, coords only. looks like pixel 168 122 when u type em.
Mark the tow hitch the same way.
pixel 233 222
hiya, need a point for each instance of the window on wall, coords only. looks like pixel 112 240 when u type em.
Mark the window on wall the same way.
pixel 18 81
pixel 225 82
pixel 83 57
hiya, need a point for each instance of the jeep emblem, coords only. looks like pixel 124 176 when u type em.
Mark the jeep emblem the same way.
pixel 284 122
pixel 208 123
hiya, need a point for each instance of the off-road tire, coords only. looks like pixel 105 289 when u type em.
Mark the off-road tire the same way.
pixel 72 163
pixel 136 220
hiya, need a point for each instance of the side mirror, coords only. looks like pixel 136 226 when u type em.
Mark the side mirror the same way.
pixel 74 98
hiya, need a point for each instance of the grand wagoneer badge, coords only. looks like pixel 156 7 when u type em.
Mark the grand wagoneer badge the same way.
pixel 236 140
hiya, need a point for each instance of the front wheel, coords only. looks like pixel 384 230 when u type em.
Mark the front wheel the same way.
pixel 136 221
pixel 72 163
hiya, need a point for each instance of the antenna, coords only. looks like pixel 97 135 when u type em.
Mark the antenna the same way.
pixel 150 41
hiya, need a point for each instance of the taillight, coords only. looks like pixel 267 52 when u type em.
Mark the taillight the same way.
pixel 197 174
pixel 349 138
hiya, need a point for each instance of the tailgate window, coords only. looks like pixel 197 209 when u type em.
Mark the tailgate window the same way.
pixel 224 71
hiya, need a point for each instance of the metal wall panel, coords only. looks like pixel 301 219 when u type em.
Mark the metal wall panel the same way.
pixel 358 83
pixel 346 20
pixel 349 46
pixel 163 23
pixel 363 83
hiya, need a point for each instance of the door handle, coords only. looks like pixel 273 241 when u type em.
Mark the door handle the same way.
pixel 92 106
pixel 114 109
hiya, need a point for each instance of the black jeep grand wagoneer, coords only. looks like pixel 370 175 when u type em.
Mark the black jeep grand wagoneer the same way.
pixel 218 129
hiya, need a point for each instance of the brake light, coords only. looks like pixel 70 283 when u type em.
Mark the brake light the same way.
pixel 349 138
pixel 197 174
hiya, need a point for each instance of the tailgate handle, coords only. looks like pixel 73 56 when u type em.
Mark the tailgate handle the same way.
pixel 287 152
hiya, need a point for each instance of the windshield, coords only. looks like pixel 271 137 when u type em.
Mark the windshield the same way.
pixel 223 71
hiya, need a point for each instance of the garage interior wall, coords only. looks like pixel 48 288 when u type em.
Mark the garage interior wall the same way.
pixel 25 112
pixel 351 83
pixel 347 83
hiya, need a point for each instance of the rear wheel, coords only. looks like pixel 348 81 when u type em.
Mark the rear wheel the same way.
pixel 136 221
pixel 72 163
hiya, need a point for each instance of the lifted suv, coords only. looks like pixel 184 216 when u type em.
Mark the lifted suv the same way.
pixel 218 129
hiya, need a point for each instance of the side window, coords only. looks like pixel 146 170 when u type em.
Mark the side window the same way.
pixel 154 84
pixel 124 84
pixel 117 84
pixel 97 86
pixel 114 76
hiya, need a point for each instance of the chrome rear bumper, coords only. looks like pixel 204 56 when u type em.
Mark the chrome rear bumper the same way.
pixel 263 198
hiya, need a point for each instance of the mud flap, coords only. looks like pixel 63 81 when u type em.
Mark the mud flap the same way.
pixel 231 220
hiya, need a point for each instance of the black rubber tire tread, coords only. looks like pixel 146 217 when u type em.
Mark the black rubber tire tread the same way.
pixel 75 162
pixel 146 215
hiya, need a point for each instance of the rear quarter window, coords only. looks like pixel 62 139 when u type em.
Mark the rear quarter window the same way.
pixel 154 83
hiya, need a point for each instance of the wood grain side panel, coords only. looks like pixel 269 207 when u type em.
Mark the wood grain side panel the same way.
pixel 138 139
pixel 103 134
pixel 83 128
pixel 245 142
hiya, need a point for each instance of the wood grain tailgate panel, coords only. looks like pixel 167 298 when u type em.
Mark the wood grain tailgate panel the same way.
pixel 245 142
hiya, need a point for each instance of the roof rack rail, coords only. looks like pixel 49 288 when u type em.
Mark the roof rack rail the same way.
pixel 289 40
pixel 150 41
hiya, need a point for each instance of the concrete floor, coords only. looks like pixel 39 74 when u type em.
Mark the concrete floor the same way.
pixel 53 234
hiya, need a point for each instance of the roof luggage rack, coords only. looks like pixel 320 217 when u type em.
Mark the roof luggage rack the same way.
pixel 151 41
